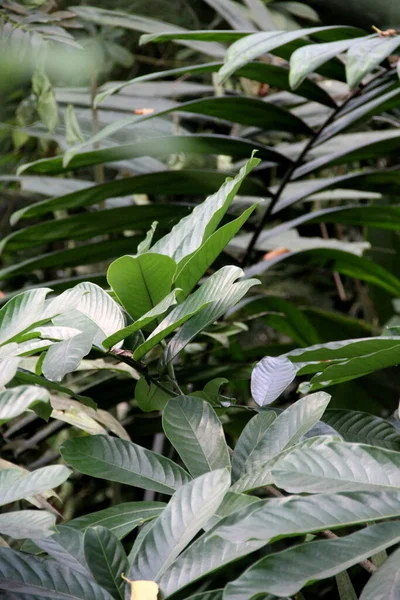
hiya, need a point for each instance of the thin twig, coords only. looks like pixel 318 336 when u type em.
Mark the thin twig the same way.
pixel 126 357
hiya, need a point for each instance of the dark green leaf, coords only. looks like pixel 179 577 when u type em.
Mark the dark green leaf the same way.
pixel 106 559
pixel 363 428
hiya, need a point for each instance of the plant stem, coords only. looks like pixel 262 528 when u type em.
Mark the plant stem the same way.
pixel 126 357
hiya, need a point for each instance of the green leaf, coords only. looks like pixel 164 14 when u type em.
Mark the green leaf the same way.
pixel 210 291
pixel 385 583
pixel 270 377
pixel 287 429
pixel 141 282
pixel 150 397
pixel 204 143
pixel 252 46
pixel 276 518
pixel 193 428
pixel 45 100
pixel 188 510
pixel 338 466
pixel 17 400
pixel 66 547
pixel 310 562
pixel 249 439
pixel 106 559
pixel 193 268
pixel 345 587
pixel 146 319
pixel 122 461
pixel 73 132
pixel 306 60
pixel 21 313
pixel 232 503
pixel 16 485
pixel 228 298
pixel 24 574
pixel 232 13
pixel 192 231
pixel 367 54
pixel 146 243
pixel 363 428
pixel 120 519
pixel 22 524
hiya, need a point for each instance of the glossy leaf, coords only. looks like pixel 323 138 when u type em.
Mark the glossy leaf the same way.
pixel 363 428
pixel 196 433
pixel 106 559
pixel 21 313
pixel 66 547
pixel 364 56
pixel 22 524
pixel 120 519
pixel 122 461
pixel 141 282
pixel 270 377
pixel 310 562
pixel 339 465
pixel 187 512
pixel 26 574
pixel 249 439
pixel 16 485
pixel 385 584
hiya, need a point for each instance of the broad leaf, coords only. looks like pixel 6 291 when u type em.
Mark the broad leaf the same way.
pixel 21 313
pixel 141 282
pixel 15 401
pixel 16 485
pixel 187 512
pixel 270 377
pixel 106 559
pixel 192 231
pixel 366 54
pixel 9 362
pixel 310 562
pixel 339 466
pixel 385 584
pixel 120 519
pixel 232 503
pixel 66 547
pixel 22 524
pixel 249 439
pixel 287 429
pixel 151 397
pixel 122 461
pixel 195 431
pixel 363 428
pixel 26 574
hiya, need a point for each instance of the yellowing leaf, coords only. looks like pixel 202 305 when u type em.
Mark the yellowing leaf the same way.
pixel 142 590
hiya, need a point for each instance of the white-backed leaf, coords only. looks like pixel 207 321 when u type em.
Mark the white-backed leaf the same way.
pixel 385 583
pixel 338 466
pixel 9 362
pixel 15 401
pixel 119 460
pixel 270 377
pixel 310 562
pixel 195 431
pixel 22 524
pixel 15 485
pixel 366 54
pixel 21 313
pixel 233 13
pixel 188 510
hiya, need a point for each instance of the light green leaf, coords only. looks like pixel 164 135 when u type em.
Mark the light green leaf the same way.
pixel 193 267
pixel 122 461
pixel 73 132
pixel 249 439
pixel 338 466
pixel 15 401
pixel 22 524
pixel 106 559
pixel 141 282
pixel 195 431
pixel 16 485
pixel 366 54
pixel 189 509
pixel 120 519
pixel 28 575
pixel 310 562
pixel 146 243
pixel 45 100
pixel 192 231
pixel 385 583
pixel 146 319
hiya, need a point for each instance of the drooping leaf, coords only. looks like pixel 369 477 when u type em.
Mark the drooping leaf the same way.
pixel 385 583
pixel 249 439
pixel 22 524
pixel 141 282
pixel 189 509
pixel 311 562
pixel 232 13
pixel 119 460
pixel 26 574
pixel 16 485
pixel 195 431
pixel 106 559
pixel 270 377
pixel 341 466
pixel 366 54
pixel 15 401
